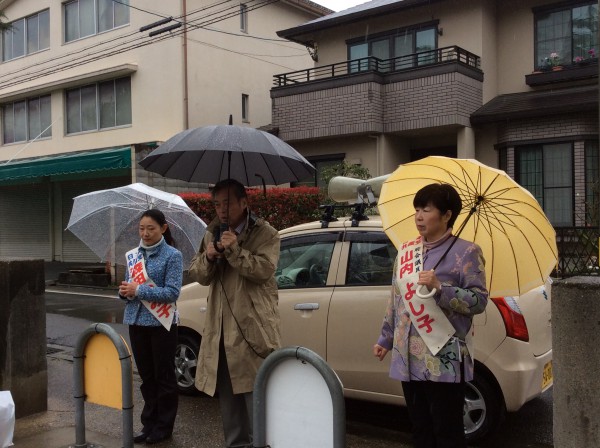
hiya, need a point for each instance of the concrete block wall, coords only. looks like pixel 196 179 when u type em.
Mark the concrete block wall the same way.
pixel 575 340
pixel 558 126
pixel 23 368
pixel 344 110
pixel 439 100
pixel 374 107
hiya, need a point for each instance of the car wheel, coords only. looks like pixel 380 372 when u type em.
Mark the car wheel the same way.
pixel 483 410
pixel 186 360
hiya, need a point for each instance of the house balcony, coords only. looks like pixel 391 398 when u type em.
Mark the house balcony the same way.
pixel 429 89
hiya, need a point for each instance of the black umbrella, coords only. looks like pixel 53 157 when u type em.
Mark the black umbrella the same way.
pixel 212 153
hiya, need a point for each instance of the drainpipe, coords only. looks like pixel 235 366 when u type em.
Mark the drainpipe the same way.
pixel 186 121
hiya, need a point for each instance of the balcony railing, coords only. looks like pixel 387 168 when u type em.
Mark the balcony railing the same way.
pixel 372 64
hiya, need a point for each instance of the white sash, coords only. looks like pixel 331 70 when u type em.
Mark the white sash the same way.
pixel 164 312
pixel 428 318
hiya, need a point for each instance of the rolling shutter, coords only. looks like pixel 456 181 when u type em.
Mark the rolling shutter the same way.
pixel 25 221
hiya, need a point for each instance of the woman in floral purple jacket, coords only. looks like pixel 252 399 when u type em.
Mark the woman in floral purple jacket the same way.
pixel 434 381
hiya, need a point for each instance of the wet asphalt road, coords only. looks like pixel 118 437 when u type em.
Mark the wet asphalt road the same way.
pixel 369 425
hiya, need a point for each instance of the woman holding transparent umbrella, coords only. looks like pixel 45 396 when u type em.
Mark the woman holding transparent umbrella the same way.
pixel 429 329
pixel 151 287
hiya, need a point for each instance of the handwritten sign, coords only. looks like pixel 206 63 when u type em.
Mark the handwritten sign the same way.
pixel 163 312
pixel 428 318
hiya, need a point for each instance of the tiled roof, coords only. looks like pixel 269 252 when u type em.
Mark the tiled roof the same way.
pixel 355 13
pixel 537 104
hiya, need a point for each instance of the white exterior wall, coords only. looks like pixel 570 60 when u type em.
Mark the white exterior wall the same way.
pixel 217 77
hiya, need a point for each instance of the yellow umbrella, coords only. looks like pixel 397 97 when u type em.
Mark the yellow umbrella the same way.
pixel 503 218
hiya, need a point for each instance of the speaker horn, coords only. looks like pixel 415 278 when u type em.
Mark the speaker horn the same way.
pixel 349 189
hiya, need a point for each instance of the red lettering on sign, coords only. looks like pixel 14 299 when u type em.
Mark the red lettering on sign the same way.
pixel 415 312
pixel 410 292
pixel 426 322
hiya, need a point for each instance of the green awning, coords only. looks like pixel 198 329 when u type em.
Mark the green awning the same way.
pixel 83 162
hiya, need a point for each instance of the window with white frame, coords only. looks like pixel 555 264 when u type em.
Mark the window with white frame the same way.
pixel 547 172
pixel 26 36
pixel 245 107
pixel 569 30
pixel 106 104
pixel 400 45
pixel 88 17
pixel 25 120
pixel 244 17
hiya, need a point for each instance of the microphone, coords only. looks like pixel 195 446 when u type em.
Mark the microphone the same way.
pixel 222 228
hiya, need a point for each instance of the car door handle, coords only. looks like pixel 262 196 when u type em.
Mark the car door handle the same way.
pixel 306 306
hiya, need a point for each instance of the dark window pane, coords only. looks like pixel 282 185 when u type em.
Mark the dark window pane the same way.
pixel 71 21
pixel 592 183
pixel 18 32
pixel 105 15
pixel 73 111
pixel 371 262
pixel 107 104
pixel 425 42
pixel 356 52
pixel 8 123
pixel 20 110
pixel 32 34
pixel 87 18
pixel 88 108
pixel 585 30
pixel 7 39
pixel 554 36
pixel 403 45
pixel 44 30
pixel 34 118
pixel 123 101
pixel 45 116
pixel 121 13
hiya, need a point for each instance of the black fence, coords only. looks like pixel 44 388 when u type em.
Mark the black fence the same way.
pixel 577 251
pixel 382 66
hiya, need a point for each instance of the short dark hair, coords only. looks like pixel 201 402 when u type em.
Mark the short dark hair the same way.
pixel 239 191
pixel 442 196
pixel 159 217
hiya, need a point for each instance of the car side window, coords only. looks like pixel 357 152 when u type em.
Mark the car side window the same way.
pixel 304 261
pixel 371 259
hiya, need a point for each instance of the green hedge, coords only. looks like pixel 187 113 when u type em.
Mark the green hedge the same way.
pixel 282 207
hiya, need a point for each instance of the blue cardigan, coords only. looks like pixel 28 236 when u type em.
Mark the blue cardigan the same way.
pixel 164 265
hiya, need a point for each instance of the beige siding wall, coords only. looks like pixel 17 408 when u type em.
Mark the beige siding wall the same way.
pixel 220 68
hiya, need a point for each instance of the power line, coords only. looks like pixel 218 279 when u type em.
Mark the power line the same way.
pixel 95 45
pixel 91 57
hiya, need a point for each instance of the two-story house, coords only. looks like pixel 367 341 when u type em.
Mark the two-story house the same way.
pixel 511 83
pixel 88 87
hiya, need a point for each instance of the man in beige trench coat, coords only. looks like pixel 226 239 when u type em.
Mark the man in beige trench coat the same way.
pixel 242 318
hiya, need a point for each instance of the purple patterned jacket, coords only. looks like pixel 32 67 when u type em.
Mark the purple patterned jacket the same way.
pixel 463 294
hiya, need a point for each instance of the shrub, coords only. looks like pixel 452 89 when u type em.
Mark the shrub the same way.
pixel 282 207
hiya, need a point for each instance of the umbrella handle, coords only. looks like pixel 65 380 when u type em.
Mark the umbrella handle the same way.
pixel 426 294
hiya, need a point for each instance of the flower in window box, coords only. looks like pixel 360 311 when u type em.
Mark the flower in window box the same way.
pixel 592 52
pixel 554 59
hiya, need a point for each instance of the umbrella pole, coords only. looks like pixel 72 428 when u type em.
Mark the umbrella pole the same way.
pixel 462 226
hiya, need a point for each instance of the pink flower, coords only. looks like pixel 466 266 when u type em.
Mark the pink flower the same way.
pixel 592 52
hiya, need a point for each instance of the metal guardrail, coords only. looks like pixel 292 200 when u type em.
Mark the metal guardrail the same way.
pixel 381 66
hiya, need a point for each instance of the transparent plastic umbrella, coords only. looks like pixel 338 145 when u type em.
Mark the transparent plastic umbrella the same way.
pixel 107 220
